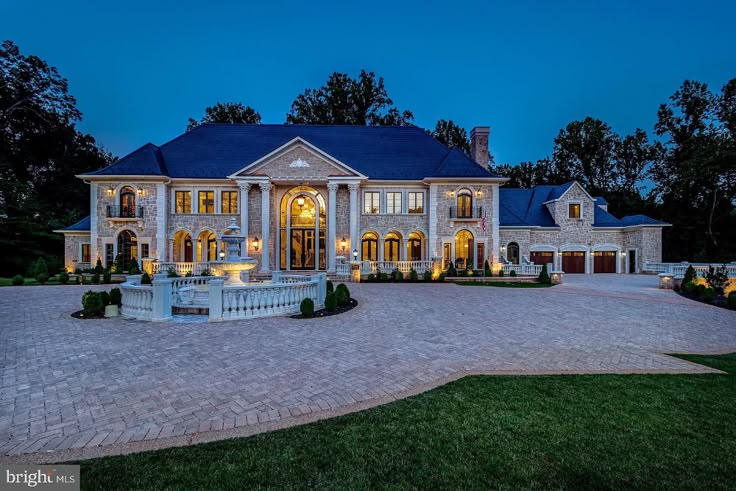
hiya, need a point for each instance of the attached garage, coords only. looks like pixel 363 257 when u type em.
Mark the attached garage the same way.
pixel 542 257
pixel 604 262
pixel 573 262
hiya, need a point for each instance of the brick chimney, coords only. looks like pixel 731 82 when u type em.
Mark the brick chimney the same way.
pixel 479 145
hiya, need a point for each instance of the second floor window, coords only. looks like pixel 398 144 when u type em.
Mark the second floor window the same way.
pixel 416 202
pixel 127 202
pixel 574 210
pixel 206 202
pixel 229 202
pixel 393 203
pixel 371 206
pixel 183 201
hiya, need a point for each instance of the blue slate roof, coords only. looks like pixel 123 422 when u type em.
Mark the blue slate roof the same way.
pixel 600 200
pixel 525 208
pixel 82 225
pixel 219 150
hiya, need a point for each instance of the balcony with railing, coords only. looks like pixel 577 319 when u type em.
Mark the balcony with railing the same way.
pixel 124 212
pixel 466 213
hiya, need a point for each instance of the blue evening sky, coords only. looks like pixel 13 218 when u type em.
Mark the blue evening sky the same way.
pixel 140 69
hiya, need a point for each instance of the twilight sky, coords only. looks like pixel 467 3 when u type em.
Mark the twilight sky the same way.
pixel 525 68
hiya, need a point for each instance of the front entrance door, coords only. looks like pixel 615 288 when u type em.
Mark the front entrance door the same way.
pixel 302 248
pixel 632 261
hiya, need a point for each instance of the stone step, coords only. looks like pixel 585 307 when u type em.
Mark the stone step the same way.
pixel 192 310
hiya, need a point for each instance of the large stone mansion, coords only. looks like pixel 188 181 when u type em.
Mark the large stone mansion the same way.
pixel 308 197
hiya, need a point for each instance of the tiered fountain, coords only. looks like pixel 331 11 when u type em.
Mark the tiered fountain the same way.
pixel 234 266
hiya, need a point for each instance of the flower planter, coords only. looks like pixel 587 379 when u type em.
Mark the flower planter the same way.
pixel 112 311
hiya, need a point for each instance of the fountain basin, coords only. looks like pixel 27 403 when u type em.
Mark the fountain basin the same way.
pixel 236 270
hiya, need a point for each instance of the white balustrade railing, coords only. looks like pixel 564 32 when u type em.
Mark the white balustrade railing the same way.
pixel 403 266
pixel 137 300
pixel 342 269
pixel 184 289
pixel 523 269
pixel 678 269
pixel 181 268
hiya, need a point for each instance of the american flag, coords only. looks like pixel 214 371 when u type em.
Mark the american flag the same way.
pixel 483 221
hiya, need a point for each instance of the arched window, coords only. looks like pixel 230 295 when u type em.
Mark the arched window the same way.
pixel 464 249
pixel 369 247
pixel 414 247
pixel 183 247
pixel 207 246
pixel 464 204
pixel 391 246
pixel 127 202
pixel 512 253
pixel 127 247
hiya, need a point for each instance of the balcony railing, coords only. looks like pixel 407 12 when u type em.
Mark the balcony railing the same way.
pixel 114 211
pixel 469 213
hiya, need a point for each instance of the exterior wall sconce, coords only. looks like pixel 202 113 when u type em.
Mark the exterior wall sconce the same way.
pixel 503 248
pixel 343 244
pixel 140 191
pixel 623 253
pixel 222 255
pixel 479 193
pixel 110 191
pixel 452 194
pixel 256 243
pixel 355 254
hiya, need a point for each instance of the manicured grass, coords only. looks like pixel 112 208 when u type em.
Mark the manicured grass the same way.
pixel 504 284
pixel 28 282
pixel 575 431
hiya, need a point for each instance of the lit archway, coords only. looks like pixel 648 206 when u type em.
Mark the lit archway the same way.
pixel 512 253
pixel 183 250
pixel 414 246
pixel 127 203
pixel 127 247
pixel 207 246
pixel 464 249
pixel 303 226
pixel 391 246
pixel 369 247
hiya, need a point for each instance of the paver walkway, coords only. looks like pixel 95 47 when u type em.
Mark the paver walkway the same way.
pixel 99 385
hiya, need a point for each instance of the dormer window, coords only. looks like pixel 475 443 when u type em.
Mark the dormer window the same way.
pixel 574 210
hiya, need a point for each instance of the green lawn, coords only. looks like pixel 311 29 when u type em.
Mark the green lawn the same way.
pixel 504 284
pixel 576 431
pixel 29 281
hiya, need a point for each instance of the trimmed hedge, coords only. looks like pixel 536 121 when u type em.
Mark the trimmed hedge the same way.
pixel 307 307
pixel 331 302
pixel 18 280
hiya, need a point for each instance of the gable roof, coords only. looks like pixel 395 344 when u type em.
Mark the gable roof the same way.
pixel 525 207
pixel 215 151
pixel 82 225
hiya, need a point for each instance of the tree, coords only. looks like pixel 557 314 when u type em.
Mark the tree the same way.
pixel 695 172
pixel 227 112
pixel 40 153
pixel 344 100
pixel 529 174
pixel 451 135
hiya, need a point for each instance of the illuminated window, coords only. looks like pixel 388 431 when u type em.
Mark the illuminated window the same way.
pixel 206 202
pixel 574 210
pixel 393 203
pixel 85 253
pixel 416 202
pixel 371 203
pixel 464 204
pixel 183 201
pixel 229 202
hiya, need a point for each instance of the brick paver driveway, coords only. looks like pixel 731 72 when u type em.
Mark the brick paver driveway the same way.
pixel 100 386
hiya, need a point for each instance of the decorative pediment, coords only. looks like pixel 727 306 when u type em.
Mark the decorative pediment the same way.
pixel 298 160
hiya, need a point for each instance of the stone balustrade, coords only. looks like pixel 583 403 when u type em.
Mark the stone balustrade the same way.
pixel 403 266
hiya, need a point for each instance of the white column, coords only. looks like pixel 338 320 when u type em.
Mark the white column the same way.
pixel 331 224
pixel 93 252
pixel 431 210
pixel 354 239
pixel 244 188
pixel 496 236
pixel 265 224
pixel 161 215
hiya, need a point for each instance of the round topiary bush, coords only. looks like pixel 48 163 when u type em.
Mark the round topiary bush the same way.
pixel 413 276
pixel 500 273
pixel 307 308
pixel 427 276
pixel 18 280
pixel 341 298
pixel 105 298
pixel 384 276
pixel 331 302
pixel 42 278
pixel 145 279
pixel 63 277
pixel 699 290
pixel 343 287
pixel 709 294
pixel 513 273
pixel 116 297
pixel 688 288
pixel 92 303
pixel 330 287
pixel 398 275
pixel 371 277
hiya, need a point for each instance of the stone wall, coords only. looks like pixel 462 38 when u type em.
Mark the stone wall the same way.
pixel 72 250
pixel 280 168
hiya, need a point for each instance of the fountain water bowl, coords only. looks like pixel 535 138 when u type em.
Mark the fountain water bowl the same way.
pixel 234 266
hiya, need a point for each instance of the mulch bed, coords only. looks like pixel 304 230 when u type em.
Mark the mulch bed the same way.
pixel 352 303
pixel 79 314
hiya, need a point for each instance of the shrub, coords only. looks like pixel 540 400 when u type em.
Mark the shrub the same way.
pixel 688 287
pixel 689 275
pixel 441 277
pixel 116 297
pixel 397 275
pixel 513 273
pixel 105 298
pixel 384 276
pixel 717 278
pixel 413 276
pixel 544 275
pixel 18 280
pixel 501 273
pixel 92 303
pixel 205 272
pixel 188 275
pixel 40 267
pixel 331 302
pixel 145 279
pixel 330 287
pixel 487 271
pixel 709 294
pixel 731 301
pixel 63 277
pixel 133 266
pixel 343 287
pixel 98 267
pixel 171 273
pixel 42 278
pixel 77 271
pixel 468 271
pixel 118 268
pixel 451 270
pixel 342 299
pixel 96 279
pixel 107 276
pixel 307 308
pixel 371 277
pixel 427 276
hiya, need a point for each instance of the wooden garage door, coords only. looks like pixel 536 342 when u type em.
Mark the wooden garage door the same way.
pixel 604 262
pixel 573 262
pixel 541 257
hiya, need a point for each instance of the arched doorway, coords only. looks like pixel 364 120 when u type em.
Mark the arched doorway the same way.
pixel 207 246
pixel 414 246
pixel 303 238
pixel 464 249
pixel 391 246
pixel 183 249
pixel 303 225
pixel 369 247
pixel 512 253
pixel 127 247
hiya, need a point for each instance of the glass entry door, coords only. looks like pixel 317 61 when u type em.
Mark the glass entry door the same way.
pixel 302 248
